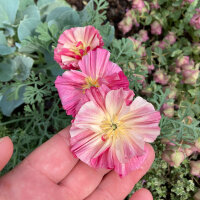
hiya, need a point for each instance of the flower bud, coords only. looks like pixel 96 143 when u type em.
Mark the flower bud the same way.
pixel 143 35
pixel 154 4
pixel 161 77
pixel 149 68
pixel 139 5
pixel 166 156
pixel 127 22
pixel 182 60
pixel 190 76
pixel 195 168
pixel 147 90
pixel 177 158
pixel 189 1
pixel 156 28
pixel 140 78
pixel 172 92
pixel 170 38
pixel 168 109
pixel 197 144
pixel 188 66
pixel 162 45
pixel 195 20
pixel 196 48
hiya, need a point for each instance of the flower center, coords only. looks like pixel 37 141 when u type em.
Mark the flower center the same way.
pixel 80 49
pixel 90 82
pixel 111 128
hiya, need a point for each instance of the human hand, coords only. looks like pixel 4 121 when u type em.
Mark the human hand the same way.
pixel 51 172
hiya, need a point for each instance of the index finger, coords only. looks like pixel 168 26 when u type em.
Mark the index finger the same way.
pixel 53 158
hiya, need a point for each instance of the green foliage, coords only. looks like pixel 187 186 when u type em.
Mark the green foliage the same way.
pixel 166 182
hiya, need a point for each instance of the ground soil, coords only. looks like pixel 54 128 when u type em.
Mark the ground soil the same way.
pixel 115 12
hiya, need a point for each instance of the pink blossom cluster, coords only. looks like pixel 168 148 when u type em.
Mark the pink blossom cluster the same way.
pixel 187 68
pixel 195 20
pixel 174 155
pixel 109 129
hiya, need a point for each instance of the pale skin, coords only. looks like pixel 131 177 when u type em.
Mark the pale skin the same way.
pixel 51 172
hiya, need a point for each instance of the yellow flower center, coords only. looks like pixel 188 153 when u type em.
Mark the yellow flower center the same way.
pixel 90 82
pixel 111 128
pixel 80 49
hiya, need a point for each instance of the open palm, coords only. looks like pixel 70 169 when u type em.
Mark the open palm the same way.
pixel 51 172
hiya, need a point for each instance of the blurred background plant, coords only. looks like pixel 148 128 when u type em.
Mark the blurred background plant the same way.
pixel 156 42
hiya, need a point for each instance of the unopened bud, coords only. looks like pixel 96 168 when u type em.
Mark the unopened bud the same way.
pixel 177 158
pixel 143 35
pixel 139 5
pixel 195 168
pixel 156 28
pixel 170 38
pixel 161 77
pixel 168 109
pixel 182 60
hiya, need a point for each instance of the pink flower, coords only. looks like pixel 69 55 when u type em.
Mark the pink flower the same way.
pixel 195 21
pixel 143 35
pixel 96 70
pixel 160 76
pixel 189 1
pixel 74 43
pixel 139 5
pixel 182 61
pixel 154 4
pixel 156 28
pixel 170 38
pixel 110 133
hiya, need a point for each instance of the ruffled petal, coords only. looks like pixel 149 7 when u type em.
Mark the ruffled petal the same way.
pixel 115 99
pixel 69 87
pixel 89 117
pixel 74 43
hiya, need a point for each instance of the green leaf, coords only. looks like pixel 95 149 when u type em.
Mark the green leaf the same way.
pixel 43 3
pixel 6 71
pixel 107 32
pixel 7 106
pixel 5 50
pixel 23 67
pixel 64 16
pixel 27 27
pixel 29 23
pixel 43 29
pixel 8 10
pixel 32 12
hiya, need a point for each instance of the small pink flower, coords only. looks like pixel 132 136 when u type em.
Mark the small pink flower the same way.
pixel 139 5
pixel 195 20
pixel 74 43
pixel 127 22
pixel 96 70
pixel 189 1
pixel 156 28
pixel 161 77
pixel 162 45
pixel 182 61
pixel 110 133
pixel 143 35
pixel 170 38
pixel 154 4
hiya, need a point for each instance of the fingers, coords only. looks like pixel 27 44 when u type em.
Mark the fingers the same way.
pixel 113 187
pixel 6 151
pixel 82 181
pixel 53 158
pixel 142 194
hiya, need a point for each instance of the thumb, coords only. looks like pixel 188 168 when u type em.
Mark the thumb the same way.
pixel 142 194
pixel 6 151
